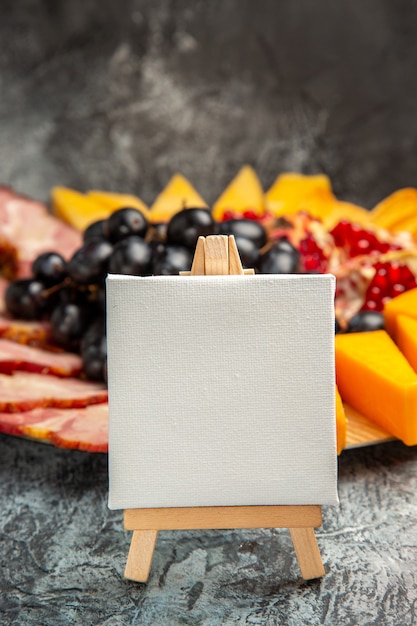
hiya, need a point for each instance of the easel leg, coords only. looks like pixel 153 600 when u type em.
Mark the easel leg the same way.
pixel 140 555
pixel 308 553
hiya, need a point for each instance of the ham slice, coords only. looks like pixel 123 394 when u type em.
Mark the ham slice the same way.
pixel 27 230
pixel 82 429
pixel 14 356
pixel 25 391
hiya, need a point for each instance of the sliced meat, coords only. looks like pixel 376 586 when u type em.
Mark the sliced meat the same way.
pixel 23 391
pixel 30 333
pixel 17 357
pixel 88 430
pixel 12 423
pixel 81 429
pixel 27 230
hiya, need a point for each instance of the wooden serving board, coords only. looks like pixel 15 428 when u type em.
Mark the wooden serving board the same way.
pixel 361 432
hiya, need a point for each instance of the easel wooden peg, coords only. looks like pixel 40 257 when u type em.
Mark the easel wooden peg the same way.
pixel 218 255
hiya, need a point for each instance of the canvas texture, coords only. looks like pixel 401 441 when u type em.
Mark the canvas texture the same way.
pixel 221 390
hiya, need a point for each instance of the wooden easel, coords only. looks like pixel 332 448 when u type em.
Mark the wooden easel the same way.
pixel 217 254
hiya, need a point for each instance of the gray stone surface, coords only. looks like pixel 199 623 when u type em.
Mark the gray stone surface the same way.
pixel 122 94
pixel 63 552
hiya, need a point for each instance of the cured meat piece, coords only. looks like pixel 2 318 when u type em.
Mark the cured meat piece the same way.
pixel 30 333
pixel 82 429
pixel 23 391
pixel 14 356
pixel 88 430
pixel 12 423
pixel 27 230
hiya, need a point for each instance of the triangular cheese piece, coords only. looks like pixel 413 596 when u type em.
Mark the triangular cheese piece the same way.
pixel 243 194
pixel 177 195
pixel 405 304
pixel 116 201
pixel 293 192
pixel 346 211
pixel 398 211
pixel 375 378
pixel 77 209
pixel 407 338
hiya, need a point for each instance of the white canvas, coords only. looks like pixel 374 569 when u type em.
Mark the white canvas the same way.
pixel 221 390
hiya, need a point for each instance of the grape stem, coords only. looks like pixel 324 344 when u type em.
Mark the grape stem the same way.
pixel 68 282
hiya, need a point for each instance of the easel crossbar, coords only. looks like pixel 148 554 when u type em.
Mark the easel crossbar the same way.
pixel 223 517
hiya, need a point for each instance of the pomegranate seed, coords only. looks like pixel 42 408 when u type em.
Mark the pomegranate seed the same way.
pixel 375 292
pixel 397 289
pixel 380 279
pixel 383 247
pixel 407 277
pixel 250 215
pixel 340 232
pixel 370 305
pixel 411 283
pixel 395 272
pixel 312 255
pixel 363 246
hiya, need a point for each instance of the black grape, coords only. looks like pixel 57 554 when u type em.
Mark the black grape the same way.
pixel 27 298
pixel 125 222
pixel 50 268
pixel 131 256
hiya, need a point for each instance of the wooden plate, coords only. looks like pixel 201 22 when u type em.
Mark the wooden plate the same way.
pixel 361 432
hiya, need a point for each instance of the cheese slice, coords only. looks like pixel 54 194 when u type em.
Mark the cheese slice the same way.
pixel 398 211
pixel 244 193
pixel 77 209
pixel 177 195
pixel 407 338
pixel 346 211
pixel 292 192
pixel 116 201
pixel 341 423
pixel 375 378
pixel 404 304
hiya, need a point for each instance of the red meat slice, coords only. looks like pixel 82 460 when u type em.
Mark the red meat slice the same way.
pixel 27 230
pixel 23 391
pixel 14 356
pixel 81 429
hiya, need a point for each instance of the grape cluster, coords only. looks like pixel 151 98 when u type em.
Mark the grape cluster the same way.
pixel 71 294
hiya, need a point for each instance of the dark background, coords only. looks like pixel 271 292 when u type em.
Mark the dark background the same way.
pixel 120 95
